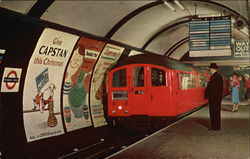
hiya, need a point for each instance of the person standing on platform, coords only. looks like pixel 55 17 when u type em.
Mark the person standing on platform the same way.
pixel 235 93
pixel 247 87
pixel 213 93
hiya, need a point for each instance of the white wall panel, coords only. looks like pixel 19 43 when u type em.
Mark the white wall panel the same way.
pixel 18 6
pixel 167 39
pixel 139 29
pixel 178 53
pixel 238 5
pixel 94 17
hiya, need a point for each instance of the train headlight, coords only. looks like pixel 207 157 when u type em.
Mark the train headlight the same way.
pixel 113 112
pixel 120 107
pixel 126 112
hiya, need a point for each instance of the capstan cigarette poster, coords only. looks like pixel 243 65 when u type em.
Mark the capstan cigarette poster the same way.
pixel 109 56
pixel 43 82
pixel 76 108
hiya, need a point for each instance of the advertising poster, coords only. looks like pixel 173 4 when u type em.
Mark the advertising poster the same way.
pixel 76 84
pixel 11 79
pixel 109 56
pixel 43 82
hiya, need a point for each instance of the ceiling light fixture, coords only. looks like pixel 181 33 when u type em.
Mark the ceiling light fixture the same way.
pixel 178 3
pixel 169 6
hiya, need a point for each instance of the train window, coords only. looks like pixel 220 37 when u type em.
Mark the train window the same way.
pixel 158 77
pixel 203 83
pixel 119 78
pixel 187 81
pixel 120 95
pixel 138 76
pixel 178 81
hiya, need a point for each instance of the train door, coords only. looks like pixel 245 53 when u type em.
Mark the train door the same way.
pixel 118 92
pixel 183 93
pixel 159 92
pixel 138 90
pixel 186 93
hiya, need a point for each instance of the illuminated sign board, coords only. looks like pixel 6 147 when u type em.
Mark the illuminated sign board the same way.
pixel 210 37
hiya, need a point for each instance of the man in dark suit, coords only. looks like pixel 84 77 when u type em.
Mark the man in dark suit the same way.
pixel 213 93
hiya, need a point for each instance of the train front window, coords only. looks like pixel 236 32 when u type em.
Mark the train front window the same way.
pixel 158 77
pixel 119 78
pixel 138 76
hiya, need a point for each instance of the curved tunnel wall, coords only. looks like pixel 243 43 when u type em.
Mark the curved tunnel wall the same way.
pixel 43 69
pixel 52 86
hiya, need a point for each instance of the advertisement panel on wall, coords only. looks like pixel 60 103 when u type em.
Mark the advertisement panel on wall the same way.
pixel 76 83
pixel 43 81
pixel 109 56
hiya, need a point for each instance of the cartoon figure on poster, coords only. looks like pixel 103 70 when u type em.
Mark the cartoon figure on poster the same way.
pixel 75 63
pixel 44 97
pixel 76 85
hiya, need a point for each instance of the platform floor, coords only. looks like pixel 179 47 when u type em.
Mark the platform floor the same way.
pixel 190 139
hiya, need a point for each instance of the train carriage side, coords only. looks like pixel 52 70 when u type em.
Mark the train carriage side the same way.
pixel 201 84
pixel 190 89
pixel 185 92
pixel 145 86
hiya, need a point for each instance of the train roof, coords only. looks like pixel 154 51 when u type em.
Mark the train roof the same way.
pixel 152 59
pixel 199 69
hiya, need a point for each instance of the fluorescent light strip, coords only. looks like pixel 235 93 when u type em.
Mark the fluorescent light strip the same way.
pixel 169 6
pixel 178 3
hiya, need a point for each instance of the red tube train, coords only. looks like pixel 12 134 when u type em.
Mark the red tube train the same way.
pixel 153 88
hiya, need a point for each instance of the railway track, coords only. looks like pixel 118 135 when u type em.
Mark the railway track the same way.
pixel 106 146
pixel 118 140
